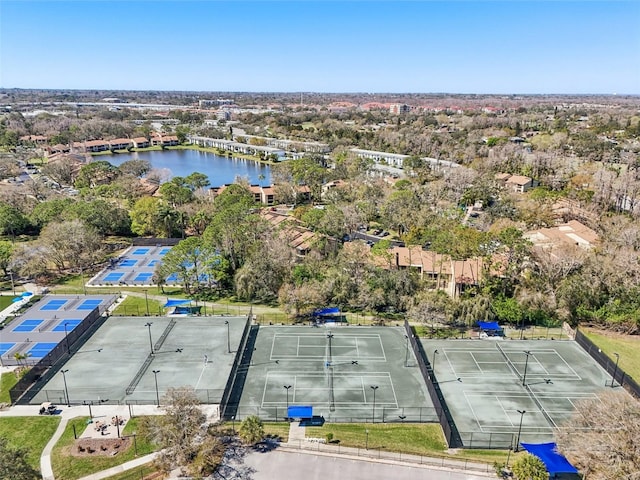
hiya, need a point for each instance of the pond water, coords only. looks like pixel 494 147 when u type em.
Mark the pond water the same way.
pixel 180 163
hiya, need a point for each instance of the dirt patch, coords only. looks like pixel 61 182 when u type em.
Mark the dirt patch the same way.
pixel 99 447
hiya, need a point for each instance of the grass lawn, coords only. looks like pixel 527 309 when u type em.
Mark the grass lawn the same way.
pixel 7 381
pixel 67 467
pixel 135 473
pixel 138 306
pixel 412 438
pixel 30 433
pixel 627 346
pixel 5 301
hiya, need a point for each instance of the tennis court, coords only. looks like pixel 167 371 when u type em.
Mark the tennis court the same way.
pixel 5 347
pixel 116 362
pixel 345 373
pixel 495 388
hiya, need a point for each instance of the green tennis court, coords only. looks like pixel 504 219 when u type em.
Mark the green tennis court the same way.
pixel 346 373
pixel 496 388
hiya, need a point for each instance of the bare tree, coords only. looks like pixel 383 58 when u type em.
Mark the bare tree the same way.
pixel 601 439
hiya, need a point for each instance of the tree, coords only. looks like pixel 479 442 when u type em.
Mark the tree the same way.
pixel 12 221
pixel 6 250
pixel 135 167
pixel 251 430
pixel 601 439
pixel 180 431
pixel 529 467
pixel 96 173
pixel 13 463
pixel 71 244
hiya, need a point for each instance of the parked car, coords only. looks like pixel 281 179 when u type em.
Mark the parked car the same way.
pixel 48 408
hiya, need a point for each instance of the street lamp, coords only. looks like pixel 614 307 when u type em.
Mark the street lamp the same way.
pixel 406 351
pixel 615 370
pixel 66 390
pixel 287 387
pixel 155 375
pixel 89 405
pixel 233 423
pixel 226 322
pixel 329 337
pixel 146 300
pixel 526 363
pixel 433 363
pixel 148 324
pixel 366 439
pixel 66 338
pixel 373 416
pixel 521 412
pixel 13 285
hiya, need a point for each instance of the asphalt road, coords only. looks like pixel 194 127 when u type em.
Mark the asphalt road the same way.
pixel 310 466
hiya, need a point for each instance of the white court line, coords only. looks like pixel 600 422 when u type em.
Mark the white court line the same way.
pixel 273 344
pixel 473 411
pixel 298 347
pixel 504 410
pixel 444 352
pixel 200 377
pixel 295 383
pixel 357 349
pixel 477 364
pixel 364 392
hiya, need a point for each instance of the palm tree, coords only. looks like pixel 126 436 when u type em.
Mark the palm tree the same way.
pixel 251 430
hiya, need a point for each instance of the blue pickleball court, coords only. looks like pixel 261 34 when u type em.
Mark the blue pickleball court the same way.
pixel 113 277
pixel 53 305
pixel 71 324
pixel 89 304
pixel 140 251
pixel 164 251
pixel 27 326
pixel 143 277
pixel 40 349
pixel 128 263
pixel 5 347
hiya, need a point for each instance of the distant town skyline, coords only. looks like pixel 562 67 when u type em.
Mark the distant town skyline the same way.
pixel 499 47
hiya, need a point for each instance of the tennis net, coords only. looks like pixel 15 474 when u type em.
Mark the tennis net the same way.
pixel 509 362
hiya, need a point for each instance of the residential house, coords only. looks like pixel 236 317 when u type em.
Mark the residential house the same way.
pixel 120 143
pixel 520 183
pixel 570 233
pixel 141 142
pixel 34 139
pixel 164 141
pixel 95 146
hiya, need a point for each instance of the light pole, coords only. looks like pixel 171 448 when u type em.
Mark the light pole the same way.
pixel 526 363
pixel 233 423
pixel 89 405
pixel 148 324
pixel 226 322
pixel 366 439
pixel 146 300
pixel 66 390
pixel 406 350
pixel 433 363
pixel 13 286
pixel 155 375
pixel 373 415
pixel 521 412
pixel 329 337
pixel 84 286
pixel 287 387
pixel 615 370
pixel 66 338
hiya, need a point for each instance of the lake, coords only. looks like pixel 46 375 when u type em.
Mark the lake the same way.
pixel 181 163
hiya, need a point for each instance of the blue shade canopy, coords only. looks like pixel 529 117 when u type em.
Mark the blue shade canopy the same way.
pixel 327 311
pixel 175 303
pixel 489 325
pixel 301 411
pixel 548 453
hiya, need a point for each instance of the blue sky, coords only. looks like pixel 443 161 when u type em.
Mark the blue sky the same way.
pixel 327 46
